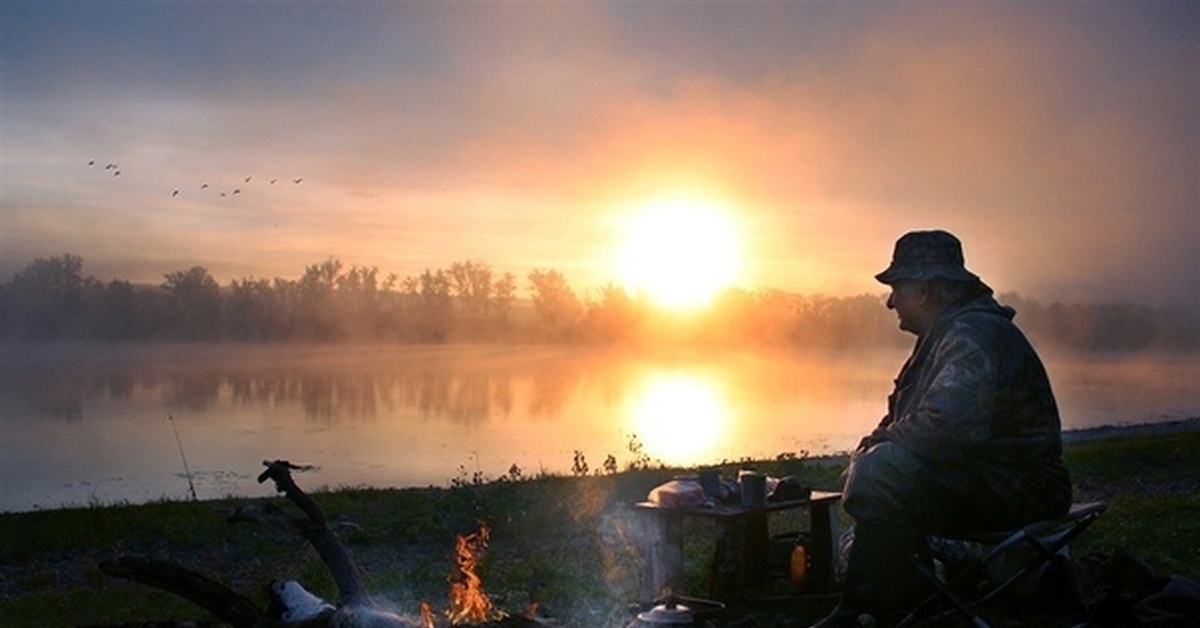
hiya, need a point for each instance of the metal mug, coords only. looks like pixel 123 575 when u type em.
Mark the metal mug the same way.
pixel 710 481
pixel 753 488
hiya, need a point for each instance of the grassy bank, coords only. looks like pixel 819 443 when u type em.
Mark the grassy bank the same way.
pixel 572 544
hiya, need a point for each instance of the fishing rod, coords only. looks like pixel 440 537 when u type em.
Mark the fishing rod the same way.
pixel 186 470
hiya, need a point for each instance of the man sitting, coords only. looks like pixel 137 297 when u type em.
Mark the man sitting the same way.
pixel 971 440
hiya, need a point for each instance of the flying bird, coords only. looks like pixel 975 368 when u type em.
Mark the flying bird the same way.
pixel 203 186
pixel 91 162
pixel 237 191
pixel 297 180
pixel 175 193
pixel 248 179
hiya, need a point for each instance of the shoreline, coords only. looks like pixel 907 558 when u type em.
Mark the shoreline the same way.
pixel 1070 437
pixel 1077 436
pixel 1089 434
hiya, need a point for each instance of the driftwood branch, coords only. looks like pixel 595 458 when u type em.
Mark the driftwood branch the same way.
pixel 290 603
pixel 197 588
pixel 288 610
pixel 351 589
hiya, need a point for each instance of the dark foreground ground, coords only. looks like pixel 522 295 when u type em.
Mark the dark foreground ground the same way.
pixel 571 545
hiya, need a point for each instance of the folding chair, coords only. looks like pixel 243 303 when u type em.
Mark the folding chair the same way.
pixel 966 591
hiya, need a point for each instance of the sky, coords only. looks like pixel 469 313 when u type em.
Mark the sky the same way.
pixel 1059 140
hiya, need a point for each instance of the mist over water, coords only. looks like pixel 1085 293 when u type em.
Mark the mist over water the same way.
pixel 92 424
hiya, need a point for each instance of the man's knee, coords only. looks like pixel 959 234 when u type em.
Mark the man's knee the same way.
pixel 880 483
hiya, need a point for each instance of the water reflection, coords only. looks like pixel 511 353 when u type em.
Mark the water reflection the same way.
pixel 679 417
pixel 192 391
pixel 401 416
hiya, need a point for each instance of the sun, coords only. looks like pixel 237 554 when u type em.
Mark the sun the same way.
pixel 679 252
pixel 679 417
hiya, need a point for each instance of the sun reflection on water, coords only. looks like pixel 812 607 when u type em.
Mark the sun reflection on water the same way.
pixel 679 418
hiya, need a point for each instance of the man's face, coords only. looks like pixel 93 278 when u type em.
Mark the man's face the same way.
pixel 909 298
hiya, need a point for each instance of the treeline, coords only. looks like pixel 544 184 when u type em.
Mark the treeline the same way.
pixel 52 299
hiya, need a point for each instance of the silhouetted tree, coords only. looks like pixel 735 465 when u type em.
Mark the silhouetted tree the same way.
pixel 471 285
pixel 504 293
pixel 45 299
pixel 5 310
pixel 193 304
pixel 316 312
pixel 432 317
pixel 255 312
pixel 750 318
pixel 613 317
pixel 51 299
pixel 357 297
pixel 120 311
pixel 389 315
pixel 1098 327
pixel 555 303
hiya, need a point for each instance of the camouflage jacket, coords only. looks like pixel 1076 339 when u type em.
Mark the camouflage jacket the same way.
pixel 974 397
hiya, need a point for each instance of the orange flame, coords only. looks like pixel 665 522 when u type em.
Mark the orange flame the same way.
pixel 468 602
pixel 426 616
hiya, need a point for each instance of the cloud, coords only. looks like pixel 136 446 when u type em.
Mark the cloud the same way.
pixel 1059 141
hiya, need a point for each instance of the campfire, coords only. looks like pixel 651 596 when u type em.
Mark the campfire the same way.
pixel 469 604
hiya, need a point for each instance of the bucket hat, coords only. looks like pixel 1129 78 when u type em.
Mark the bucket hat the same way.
pixel 923 255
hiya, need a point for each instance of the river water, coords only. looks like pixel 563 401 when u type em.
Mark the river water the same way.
pixel 131 423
